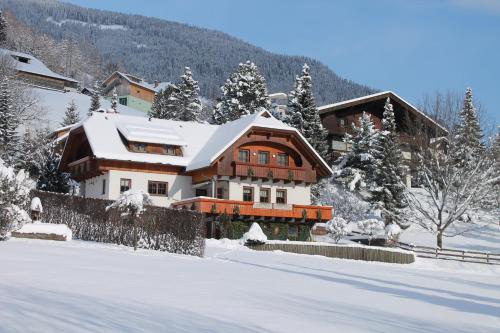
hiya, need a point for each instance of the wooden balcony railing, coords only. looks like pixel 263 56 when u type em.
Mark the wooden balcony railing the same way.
pixel 269 172
pixel 243 208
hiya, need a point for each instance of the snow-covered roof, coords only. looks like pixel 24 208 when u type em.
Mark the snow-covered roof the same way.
pixel 140 82
pixel 202 144
pixel 33 65
pixel 383 94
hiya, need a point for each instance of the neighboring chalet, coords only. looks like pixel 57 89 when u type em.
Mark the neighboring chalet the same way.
pixel 253 169
pixel 33 71
pixel 132 91
pixel 279 102
pixel 415 128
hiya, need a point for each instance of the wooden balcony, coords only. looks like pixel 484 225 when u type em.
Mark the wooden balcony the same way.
pixel 288 174
pixel 257 210
pixel 83 168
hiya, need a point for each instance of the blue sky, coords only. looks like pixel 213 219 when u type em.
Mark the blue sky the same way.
pixel 409 46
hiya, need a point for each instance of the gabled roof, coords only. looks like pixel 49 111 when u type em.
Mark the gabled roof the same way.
pixel 34 66
pixel 377 96
pixel 202 143
pixel 140 82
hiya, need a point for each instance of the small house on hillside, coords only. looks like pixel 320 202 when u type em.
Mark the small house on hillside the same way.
pixel 132 91
pixel 252 169
pixel 33 71
pixel 415 128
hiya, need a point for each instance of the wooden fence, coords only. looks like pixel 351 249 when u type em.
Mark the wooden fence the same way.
pixel 453 254
pixel 342 252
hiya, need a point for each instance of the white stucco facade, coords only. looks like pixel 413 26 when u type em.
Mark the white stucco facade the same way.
pixel 180 187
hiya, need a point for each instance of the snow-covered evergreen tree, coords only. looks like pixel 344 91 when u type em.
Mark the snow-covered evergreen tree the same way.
pixel 303 114
pixel 14 195
pixel 468 135
pixel 3 29
pixel 189 100
pixel 35 148
pixel 8 122
pixel 337 228
pixel 114 101
pixel 71 116
pixel 355 169
pixel 389 192
pixel 166 104
pixel 245 92
pixel 95 104
pixel 51 178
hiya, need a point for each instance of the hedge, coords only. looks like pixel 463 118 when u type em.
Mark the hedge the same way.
pixel 159 228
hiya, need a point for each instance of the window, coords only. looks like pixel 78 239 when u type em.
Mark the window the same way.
pixel 139 147
pixel 283 159
pixel 169 150
pixel 158 188
pixel 293 230
pixel 265 195
pixel 281 196
pixel 122 100
pixel 244 155
pixel 23 60
pixel 247 194
pixel 201 192
pixel 220 193
pixel 125 184
pixel 104 186
pixel 263 157
pixel 342 122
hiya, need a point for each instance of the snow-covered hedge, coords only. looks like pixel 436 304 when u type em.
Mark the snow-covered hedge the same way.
pixel 176 231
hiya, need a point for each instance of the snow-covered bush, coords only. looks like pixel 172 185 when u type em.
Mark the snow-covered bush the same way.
pixel 337 228
pixel 131 202
pixel 14 195
pixel 254 236
pixel 392 232
pixel 370 228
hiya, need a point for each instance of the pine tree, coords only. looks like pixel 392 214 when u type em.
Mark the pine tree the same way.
pixel 114 101
pixel 355 168
pixel 166 104
pixel 189 100
pixel 35 148
pixel 51 178
pixel 245 92
pixel 3 29
pixel 389 192
pixel 8 123
pixel 303 114
pixel 71 115
pixel 468 136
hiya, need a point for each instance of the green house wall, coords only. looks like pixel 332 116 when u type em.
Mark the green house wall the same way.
pixel 135 103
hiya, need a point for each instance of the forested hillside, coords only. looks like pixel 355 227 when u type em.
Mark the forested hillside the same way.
pixel 158 50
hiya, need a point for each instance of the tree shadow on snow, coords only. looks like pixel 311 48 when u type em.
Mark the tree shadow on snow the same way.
pixel 30 309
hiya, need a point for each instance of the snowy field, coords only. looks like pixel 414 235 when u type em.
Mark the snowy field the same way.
pixel 76 286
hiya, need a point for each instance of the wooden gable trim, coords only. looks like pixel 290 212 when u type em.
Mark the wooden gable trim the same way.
pixel 69 147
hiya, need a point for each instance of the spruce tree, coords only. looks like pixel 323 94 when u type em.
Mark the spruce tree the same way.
pixel 245 92
pixel 189 100
pixel 8 123
pixel 51 178
pixel 389 192
pixel 36 146
pixel 468 136
pixel 3 29
pixel 303 114
pixel 95 104
pixel 355 169
pixel 71 115
pixel 114 101
pixel 166 104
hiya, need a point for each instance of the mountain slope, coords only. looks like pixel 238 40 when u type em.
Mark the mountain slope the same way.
pixel 158 50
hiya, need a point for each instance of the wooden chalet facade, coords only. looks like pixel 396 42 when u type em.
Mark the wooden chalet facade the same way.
pixel 414 127
pixel 132 91
pixel 253 169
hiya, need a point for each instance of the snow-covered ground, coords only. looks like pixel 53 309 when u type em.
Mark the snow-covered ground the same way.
pixel 77 286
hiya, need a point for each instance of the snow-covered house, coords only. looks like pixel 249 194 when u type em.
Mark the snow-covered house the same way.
pixel 255 167
pixel 34 71
pixel 132 91
pixel 415 128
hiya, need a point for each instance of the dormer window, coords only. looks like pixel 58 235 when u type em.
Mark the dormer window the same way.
pixel 139 147
pixel 170 150
pixel 24 60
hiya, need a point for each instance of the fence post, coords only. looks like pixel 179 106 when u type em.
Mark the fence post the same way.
pixel 437 252
pixel 463 255
pixel 487 257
